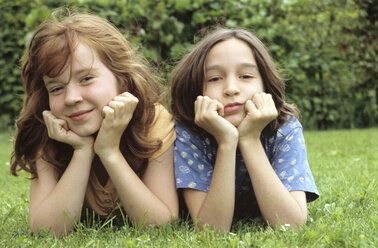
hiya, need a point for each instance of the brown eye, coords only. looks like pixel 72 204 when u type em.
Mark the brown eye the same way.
pixel 214 79
pixel 55 90
pixel 87 78
pixel 246 76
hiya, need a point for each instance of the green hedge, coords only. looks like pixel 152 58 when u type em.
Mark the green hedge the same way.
pixel 326 49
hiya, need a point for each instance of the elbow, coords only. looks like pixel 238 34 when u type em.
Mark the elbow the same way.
pixel 171 216
pixel 294 223
pixel 301 220
pixel 174 216
pixel 36 229
pixel 167 219
pixel 205 226
pixel 160 220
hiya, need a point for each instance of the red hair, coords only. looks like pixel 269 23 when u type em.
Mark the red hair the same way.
pixel 50 50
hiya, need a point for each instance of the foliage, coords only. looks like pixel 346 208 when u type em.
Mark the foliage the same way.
pixel 326 49
pixel 343 163
pixel 332 62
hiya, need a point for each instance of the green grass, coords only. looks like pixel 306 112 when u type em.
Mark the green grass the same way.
pixel 344 164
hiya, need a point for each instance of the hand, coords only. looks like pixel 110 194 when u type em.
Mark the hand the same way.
pixel 117 115
pixel 260 111
pixel 58 130
pixel 209 116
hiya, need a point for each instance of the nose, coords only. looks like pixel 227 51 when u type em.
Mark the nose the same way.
pixel 73 94
pixel 231 87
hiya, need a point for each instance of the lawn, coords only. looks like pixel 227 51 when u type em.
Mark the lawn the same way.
pixel 344 164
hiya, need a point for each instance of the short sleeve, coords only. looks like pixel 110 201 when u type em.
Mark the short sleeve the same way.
pixel 192 160
pixel 162 128
pixel 289 160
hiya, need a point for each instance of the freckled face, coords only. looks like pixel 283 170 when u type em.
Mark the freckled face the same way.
pixel 79 98
pixel 232 77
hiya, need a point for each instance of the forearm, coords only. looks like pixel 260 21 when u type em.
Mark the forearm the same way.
pixel 218 207
pixel 62 206
pixel 276 203
pixel 140 203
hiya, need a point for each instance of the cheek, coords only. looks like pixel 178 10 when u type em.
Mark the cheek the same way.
pixel 252 92
pixel 212 92
pixel 56 107
pixel 103 96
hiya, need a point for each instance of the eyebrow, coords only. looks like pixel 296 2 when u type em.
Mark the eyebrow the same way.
pixel 243 65
pixel 85 70
pixel 77 72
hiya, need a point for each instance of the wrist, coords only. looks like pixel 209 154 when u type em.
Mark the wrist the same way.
pixel 109 155
pixel 230 138
pixel 84 151
pixel 228 145
pixel 102 148
pixel 247 143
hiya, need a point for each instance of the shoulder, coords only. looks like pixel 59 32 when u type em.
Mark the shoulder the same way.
pixel 290 132
pixel 286 132
pixel 186 135
pixel 162 128
pixel 162 120
pixel 292 125
pixel 162 114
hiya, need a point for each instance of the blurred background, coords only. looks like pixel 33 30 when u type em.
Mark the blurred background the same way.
pixel 326 49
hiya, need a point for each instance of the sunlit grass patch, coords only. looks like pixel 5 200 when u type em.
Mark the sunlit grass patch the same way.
pixel 344 164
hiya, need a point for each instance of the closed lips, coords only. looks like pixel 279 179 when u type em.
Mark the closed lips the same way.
pixel 79 115
pixel 232 107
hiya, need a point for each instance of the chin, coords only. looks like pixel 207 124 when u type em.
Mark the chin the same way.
pixel 85 132
pixel 234 121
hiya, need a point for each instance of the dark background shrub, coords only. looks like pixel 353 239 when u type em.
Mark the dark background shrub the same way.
pixel 326 50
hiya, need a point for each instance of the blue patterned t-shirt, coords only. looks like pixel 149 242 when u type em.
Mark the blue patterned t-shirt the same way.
pixel 195 159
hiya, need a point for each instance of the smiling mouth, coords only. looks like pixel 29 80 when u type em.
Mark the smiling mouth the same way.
pixel 232 107
pixel 80 115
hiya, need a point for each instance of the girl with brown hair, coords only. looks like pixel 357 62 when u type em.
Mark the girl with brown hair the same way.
pixel 92 132
pixel 240 149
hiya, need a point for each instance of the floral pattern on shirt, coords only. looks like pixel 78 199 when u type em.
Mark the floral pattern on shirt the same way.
pixel 195 159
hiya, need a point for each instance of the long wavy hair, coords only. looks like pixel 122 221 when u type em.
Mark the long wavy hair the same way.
pixel 51 49
pixel 187 78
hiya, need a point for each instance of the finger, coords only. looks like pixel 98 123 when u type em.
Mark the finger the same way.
pixel 124 96
pixel 270 100
pixel 271 105
pixel 47 115
pixel 198 104
pixel 51 120
pixel 116 104
pixel 108 113
pixel 265 100
pixel 126 93
pixel 129 103
pixel 218 107
pixel 47 118
pixel 258 100
pixel 250 107
pixel 60 123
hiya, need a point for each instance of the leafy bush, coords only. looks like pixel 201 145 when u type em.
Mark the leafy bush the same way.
pixel 326 49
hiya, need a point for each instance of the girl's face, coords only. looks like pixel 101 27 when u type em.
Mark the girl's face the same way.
pixel 232 77
pixel 78 97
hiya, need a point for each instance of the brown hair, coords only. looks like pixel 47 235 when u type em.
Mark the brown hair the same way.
pixel 50 50
pixel 188 76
